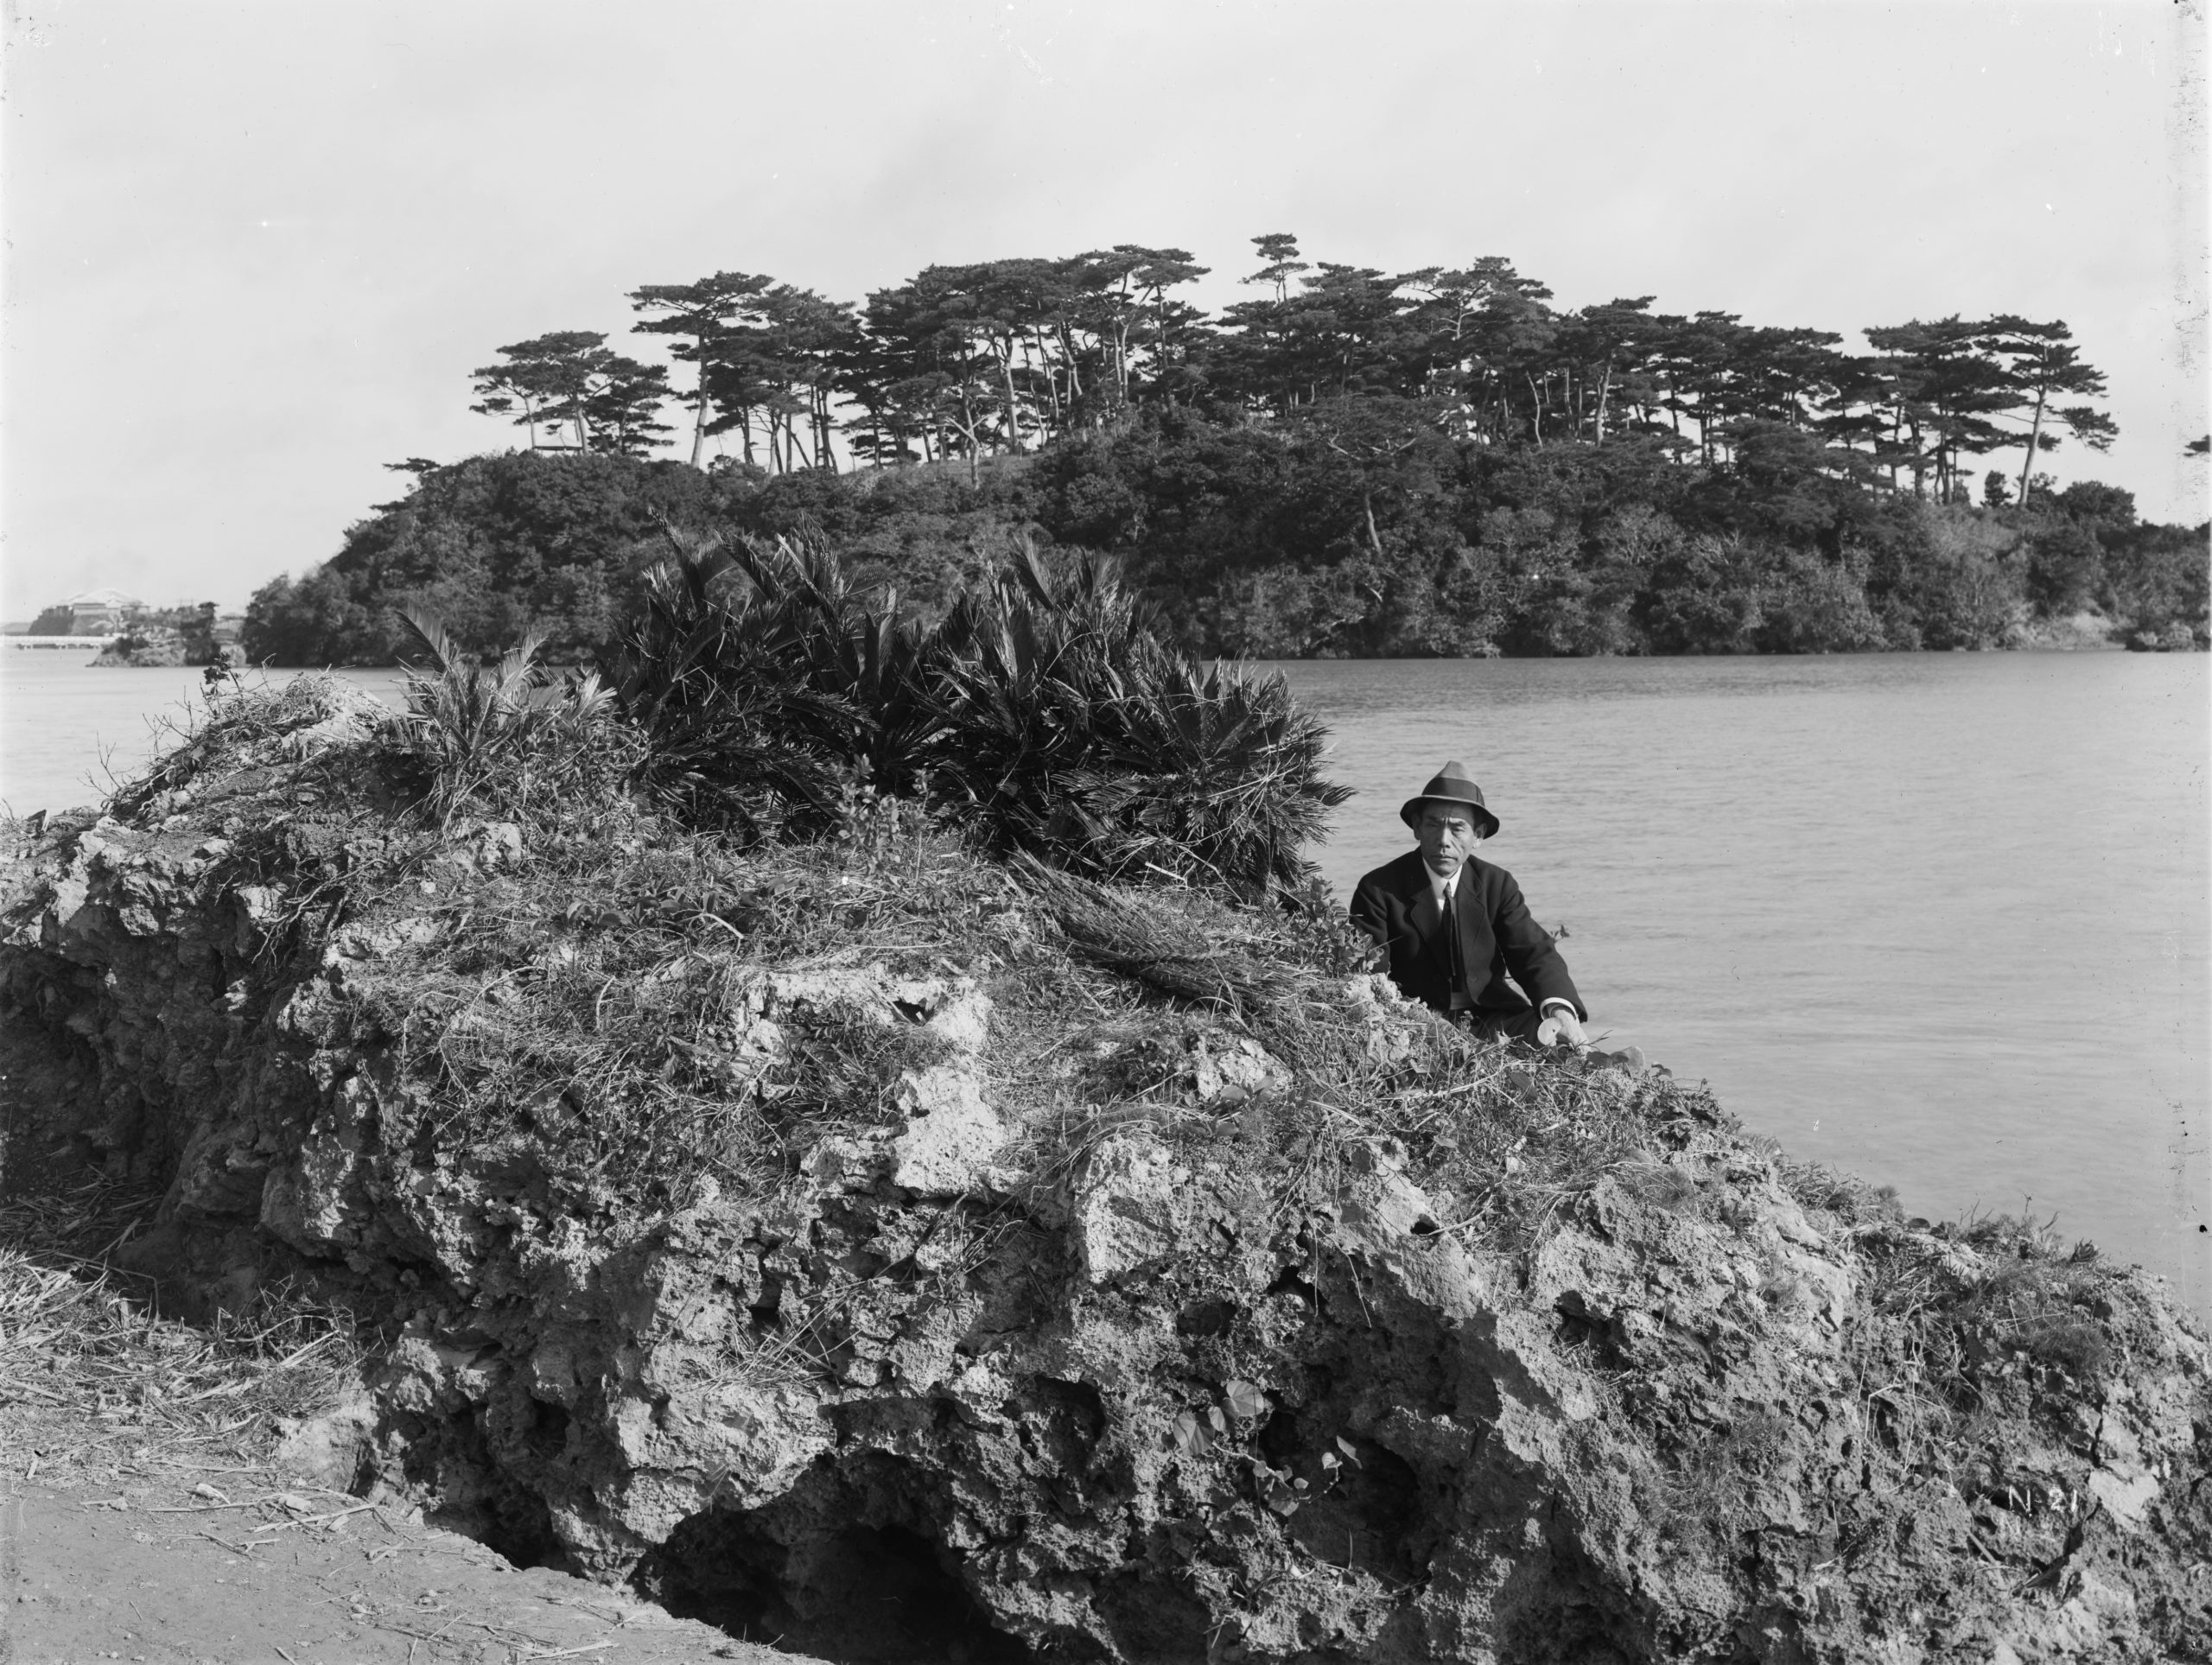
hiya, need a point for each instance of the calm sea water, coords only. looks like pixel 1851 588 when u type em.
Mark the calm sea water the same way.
pixel 65 729
pixel 1941 920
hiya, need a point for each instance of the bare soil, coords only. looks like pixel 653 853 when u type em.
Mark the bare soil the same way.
pixel 102 1559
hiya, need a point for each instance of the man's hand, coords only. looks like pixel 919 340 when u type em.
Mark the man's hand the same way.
pixel 1561 1016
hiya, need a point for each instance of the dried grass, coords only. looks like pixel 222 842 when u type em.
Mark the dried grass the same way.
pixel 594 1004
pixel 1513 1135
pixel 242 726
pixel 85 1352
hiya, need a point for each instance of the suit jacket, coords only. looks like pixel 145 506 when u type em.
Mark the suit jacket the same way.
pixel 1396 904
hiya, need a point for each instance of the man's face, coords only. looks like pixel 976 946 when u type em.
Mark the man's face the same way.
pixel 1448 837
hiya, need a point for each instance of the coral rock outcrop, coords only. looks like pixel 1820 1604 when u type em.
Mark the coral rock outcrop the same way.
pixel 1137 1341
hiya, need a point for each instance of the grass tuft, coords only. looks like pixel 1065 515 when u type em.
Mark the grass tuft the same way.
pixel 491 738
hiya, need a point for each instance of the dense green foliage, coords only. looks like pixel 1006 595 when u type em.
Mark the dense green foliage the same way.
pixel 496 544
pixel 1041 714
pixel 1351 529
pixel 764 695
pixel 998 356
pixel 1355 463
pixel 491 546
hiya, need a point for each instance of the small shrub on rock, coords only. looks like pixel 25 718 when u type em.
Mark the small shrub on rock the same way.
pixel 1042 715
pixel 490 736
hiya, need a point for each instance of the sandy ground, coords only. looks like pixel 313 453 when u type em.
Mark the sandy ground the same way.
pixel 138 1560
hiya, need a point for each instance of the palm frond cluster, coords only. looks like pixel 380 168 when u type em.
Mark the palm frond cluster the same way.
pixel 495 735
pixel 1043 714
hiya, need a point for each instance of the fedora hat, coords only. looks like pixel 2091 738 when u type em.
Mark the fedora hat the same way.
pixel 1449 784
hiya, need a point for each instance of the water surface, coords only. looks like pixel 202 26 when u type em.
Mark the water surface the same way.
pixel 1938 919
pixel 68 731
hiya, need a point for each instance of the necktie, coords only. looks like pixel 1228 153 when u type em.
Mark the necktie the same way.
pixel 1452 935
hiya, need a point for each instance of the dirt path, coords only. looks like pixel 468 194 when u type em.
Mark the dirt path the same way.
pixel 138 1562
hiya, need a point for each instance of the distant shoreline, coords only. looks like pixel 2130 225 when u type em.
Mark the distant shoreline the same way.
pixel 2059 641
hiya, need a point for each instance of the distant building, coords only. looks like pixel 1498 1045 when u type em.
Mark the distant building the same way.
pixel 101 612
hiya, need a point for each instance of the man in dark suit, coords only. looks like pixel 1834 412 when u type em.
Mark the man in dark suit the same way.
pixel 1456 927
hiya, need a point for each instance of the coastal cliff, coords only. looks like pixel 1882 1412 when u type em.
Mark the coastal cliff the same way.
pixel 910 1254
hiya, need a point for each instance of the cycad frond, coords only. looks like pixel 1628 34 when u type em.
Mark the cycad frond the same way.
pixel 1044 712
pixel 430 634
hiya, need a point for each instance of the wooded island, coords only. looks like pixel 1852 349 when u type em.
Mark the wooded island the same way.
pixel 1352 463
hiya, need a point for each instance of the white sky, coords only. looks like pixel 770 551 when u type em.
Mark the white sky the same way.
pixel 253 251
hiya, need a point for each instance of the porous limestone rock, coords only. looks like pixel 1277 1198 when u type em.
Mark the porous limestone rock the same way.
pixel 1146 1403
